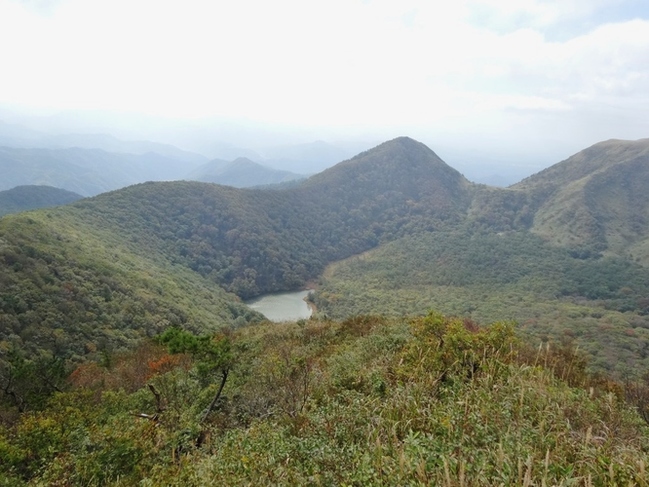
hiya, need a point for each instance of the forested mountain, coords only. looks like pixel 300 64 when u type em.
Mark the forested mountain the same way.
pixel 246 241
pixel 139 292
pixel 23 198
pixel 240 173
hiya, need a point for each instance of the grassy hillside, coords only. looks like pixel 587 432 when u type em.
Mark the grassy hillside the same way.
pixel 367 401
pixel 595 200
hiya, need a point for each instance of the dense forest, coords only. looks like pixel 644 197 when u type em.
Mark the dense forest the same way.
pixel 598 304
pixel 123 313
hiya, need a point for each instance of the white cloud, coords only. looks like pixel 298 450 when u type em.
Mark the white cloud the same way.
pixel 376 63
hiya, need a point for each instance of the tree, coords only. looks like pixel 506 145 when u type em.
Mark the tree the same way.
pixel 25 383
pixel 213 355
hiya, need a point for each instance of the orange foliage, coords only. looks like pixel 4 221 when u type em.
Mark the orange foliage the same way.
pixel 129 371
pixel 164 364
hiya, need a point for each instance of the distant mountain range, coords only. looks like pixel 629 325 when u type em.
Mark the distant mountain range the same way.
pixel 308 158
pixel 22 198
pixel 241 173
pixel 85 171
pixel 21 137
pixel 92 171
pixel 93 163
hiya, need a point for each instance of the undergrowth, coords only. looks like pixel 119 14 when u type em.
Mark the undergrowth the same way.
pixel 367 401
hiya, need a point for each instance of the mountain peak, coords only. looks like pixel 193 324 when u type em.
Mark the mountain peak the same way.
pixel 401 171
pixel 405 153
pixel 405 143
pixel 245 160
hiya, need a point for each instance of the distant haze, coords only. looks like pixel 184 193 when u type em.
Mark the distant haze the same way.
pixel 498 89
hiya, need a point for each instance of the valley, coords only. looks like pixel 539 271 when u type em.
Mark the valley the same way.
pixel 436 241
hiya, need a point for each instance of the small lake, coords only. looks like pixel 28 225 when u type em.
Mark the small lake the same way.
pixel 282 306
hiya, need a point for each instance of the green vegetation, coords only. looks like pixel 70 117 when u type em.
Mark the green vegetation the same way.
pixel 367 401
pixel 600 304
pixel 99 275
pixel 70 294
pixel 124 359
pixel 596 199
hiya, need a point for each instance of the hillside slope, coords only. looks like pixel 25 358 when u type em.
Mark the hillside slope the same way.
pixel 596 200
pixel 149 244
pixel 366 401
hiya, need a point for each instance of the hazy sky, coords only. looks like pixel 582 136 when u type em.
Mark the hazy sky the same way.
pixel 525 74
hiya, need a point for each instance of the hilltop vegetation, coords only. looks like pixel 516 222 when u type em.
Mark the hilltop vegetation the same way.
pixel 598 304
pixel 367 401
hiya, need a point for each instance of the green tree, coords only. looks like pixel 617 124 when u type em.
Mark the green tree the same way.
pixel 213 355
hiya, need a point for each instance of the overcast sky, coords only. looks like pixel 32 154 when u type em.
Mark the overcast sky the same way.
pixel 528 75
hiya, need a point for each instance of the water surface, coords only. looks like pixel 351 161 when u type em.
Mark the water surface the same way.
pixel 282 306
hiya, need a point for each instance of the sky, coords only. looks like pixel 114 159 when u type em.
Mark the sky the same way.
pixel 517 80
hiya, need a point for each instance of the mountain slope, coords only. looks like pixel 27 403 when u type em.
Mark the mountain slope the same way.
pixel 402 181
pixel 368 401
pixel 596 200
pixel 23 198
pixel 69 288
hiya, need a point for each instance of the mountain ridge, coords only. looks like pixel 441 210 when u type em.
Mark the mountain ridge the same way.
pixel 568 197
pixel 241 173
